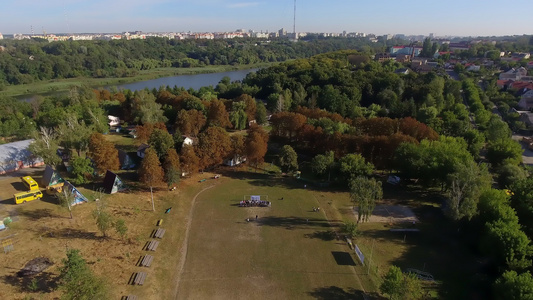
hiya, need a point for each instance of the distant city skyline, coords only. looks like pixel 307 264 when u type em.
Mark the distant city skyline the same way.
pixel 415 17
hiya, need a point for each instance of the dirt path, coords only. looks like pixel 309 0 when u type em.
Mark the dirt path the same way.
pixel 185 244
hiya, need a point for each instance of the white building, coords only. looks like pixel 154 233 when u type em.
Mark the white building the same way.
pixel 16 155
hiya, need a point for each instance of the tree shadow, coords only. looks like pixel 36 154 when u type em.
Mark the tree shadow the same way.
pixel 328 235
pixel 44 282
pixel 37 214
pixel 336 293
pixel 70 233
pixel 292 222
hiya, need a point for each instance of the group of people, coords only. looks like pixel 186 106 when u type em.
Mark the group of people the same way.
pixel 248 203
pixel 316 209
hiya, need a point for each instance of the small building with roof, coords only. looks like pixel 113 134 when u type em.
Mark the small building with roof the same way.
pixel 16 155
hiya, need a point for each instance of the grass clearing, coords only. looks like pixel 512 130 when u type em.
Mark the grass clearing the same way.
pixel 290 252
pixel 287 253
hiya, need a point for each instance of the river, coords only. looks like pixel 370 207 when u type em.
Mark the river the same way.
pixel 187 81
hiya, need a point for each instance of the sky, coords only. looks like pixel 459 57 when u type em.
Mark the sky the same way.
pixel 410 17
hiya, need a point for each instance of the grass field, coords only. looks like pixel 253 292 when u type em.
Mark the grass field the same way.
pixel 42 228
pixel 289 252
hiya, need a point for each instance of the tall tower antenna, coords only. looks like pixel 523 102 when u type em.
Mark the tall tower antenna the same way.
pixel 294 21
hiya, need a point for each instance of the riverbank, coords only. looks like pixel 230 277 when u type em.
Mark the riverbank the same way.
pixel 61 85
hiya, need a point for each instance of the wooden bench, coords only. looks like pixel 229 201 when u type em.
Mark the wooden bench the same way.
pixel 152 245
pixel 140 277
pixel 129 297
pixel 146 261
pixel 159 233
pixel 159 222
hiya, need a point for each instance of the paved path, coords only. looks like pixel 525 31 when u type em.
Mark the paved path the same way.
pixel 185 244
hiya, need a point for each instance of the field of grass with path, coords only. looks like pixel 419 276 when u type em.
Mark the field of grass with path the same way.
pixel 287 253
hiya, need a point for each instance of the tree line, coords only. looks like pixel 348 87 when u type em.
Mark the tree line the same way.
pixel 27 61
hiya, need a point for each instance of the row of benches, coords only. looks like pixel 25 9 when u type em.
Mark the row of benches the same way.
pixel 138 278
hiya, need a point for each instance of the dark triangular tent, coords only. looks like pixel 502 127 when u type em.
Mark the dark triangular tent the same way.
pixel 78 196
pixel 112 183
pixel 51 177
pixel 126 163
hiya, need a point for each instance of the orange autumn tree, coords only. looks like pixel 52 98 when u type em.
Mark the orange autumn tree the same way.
pixel 217 115
pixel 145 131
pixel 214 145
pixel 103 153
pixel 190 122
pixel 150 173
pixel 171 166
pixel 190 163
pixel 256 145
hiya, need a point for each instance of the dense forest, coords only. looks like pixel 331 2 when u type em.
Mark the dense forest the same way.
pixel 27 61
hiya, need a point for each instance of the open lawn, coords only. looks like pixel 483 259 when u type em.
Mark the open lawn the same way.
pixel 289 252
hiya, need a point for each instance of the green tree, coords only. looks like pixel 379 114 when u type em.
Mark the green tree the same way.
pixel 150 172
pixel 45 146
pixel 145 109
pixel 323 163
pixel 260 113
pixel 81 169
pixel 427 48
pixel 288 159
pixel 465 187
pixel 364 193
pixel 401 286
pixel 354 165
pixel 103 219
pixel 511 286
pixel 161 141
pixel 509 174
pixel 238 116
pixel 504 151
pixel 350 228
pixel 121 228
pixel 74 133
pixel 392 283
pixel 77 281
